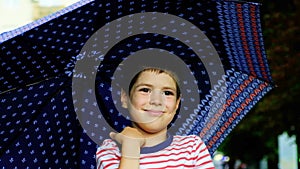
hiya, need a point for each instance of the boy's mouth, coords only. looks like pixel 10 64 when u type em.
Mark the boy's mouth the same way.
pixel 154 112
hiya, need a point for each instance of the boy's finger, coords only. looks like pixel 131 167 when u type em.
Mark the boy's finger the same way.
pixel 112 135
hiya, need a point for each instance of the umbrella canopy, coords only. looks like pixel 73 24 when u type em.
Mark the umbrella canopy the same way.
pixel 60 74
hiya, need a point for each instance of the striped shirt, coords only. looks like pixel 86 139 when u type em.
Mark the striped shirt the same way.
pixel 176 152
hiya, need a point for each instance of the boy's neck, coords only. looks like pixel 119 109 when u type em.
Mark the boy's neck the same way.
pixel 153 139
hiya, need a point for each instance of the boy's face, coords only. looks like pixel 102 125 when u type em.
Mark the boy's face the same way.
pixel 152 103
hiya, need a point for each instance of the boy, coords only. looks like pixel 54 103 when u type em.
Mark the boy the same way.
pixel 152 100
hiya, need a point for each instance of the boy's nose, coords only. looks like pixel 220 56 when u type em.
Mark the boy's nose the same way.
pixel 156 98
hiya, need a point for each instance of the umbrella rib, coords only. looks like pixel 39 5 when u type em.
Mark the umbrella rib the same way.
pixel 27 85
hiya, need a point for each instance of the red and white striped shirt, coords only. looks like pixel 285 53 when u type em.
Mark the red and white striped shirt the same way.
pixel 176 152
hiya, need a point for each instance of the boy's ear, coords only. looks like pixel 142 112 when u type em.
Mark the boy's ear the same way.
pixel 124 99
pixel 178 102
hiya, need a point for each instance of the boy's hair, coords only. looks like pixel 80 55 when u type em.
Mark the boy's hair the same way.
pixel 158 71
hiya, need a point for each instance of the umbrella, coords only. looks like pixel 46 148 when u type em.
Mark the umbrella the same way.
pixel 60 74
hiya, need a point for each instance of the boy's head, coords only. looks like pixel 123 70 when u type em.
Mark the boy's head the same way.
pixel 153 98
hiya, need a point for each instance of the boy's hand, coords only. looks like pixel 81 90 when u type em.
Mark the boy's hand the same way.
pixel 130 135
pixel 131 140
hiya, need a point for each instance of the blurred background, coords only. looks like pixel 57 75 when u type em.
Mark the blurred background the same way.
pixel 16 13
pixel 268 136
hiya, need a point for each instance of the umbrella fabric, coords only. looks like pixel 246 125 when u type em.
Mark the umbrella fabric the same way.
pixel 39 123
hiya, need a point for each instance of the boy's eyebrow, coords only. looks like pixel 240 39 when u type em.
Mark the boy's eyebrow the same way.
pixel 142 84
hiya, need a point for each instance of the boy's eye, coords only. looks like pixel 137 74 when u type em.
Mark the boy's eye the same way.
pixel 146 90
pixel 168 93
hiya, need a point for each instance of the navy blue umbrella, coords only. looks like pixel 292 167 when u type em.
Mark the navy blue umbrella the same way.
pixel 53 116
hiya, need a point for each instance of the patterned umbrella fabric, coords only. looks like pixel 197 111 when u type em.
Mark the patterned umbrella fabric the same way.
pixel 46 123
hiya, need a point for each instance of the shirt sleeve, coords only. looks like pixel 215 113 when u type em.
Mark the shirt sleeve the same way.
pixel 108 155
pixel 203 158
